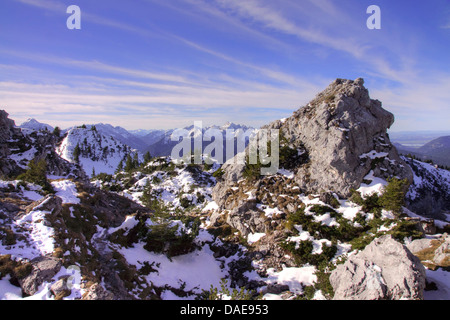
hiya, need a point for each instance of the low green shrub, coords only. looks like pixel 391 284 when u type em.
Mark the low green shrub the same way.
pixel 37 174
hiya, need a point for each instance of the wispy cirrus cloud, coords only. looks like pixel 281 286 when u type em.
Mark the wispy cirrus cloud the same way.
pixel 58 7
pixel 264 14
pixel 259 58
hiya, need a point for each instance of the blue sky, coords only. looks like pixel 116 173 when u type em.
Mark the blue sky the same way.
pixel 155 64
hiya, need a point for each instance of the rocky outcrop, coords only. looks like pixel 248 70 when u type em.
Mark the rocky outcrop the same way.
pixel 385 269
pixel 8 134
pixel 343 135
pixel 18 149
pixel 44 269
pixel 247 219
pixel 433 253
pixel 97 292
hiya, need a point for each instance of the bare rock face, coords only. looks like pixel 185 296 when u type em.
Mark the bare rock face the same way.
pixel 433 252
pixel 44 269
pixel 385 269
pixel 97 292
pixel 14 144
pixel 7 134
pixel 344 134
pixel 246 219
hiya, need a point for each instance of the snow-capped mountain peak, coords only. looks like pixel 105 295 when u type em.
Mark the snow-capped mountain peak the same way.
pixel 34 125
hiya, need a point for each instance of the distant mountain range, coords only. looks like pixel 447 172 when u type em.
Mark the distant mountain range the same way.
pixel 416 138
pixel 163 145
pixel 118 140
pixel 437 150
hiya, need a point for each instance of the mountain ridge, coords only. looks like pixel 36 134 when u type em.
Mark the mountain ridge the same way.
pixel 436 150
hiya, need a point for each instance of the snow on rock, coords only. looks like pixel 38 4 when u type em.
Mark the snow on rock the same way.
pixel 442 280
pixel 348 209
pixel 195 271
pixel 374 155
pixel 269 212
pixel 296 278
pixel 40 234
pixel 287 173
pixel 254 237
pixel 67 191
pixel 211 206
pixel 376 185
pixel 129 223
pixel 8 291
pixel 22 159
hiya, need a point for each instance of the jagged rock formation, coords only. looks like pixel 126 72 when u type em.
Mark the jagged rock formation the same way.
pixel 8 132
pixel 385 269
pixel 18 148
pixel 343 134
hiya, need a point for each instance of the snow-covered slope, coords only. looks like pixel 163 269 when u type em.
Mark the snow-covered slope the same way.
pixel 429 194
pixel 97 152
pixel 118 133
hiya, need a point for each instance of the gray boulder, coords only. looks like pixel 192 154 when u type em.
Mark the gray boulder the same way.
pixel 384 270
pixel 419 245
pixel 433 252
pixel 60 289
pixel 44 269
pixel 442 253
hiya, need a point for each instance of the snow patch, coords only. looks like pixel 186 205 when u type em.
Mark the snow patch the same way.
pixel 67 191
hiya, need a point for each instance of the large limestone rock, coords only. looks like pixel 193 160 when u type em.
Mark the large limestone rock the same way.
pixel 385 269
pixel 344 133
pixel 44 269
pixel 433 253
